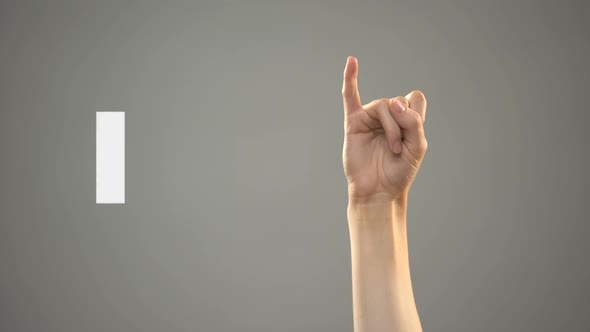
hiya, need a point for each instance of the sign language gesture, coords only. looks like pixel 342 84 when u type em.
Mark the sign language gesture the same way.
pixel 384 141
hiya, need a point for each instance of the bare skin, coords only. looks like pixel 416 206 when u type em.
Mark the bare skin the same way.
pixel 383 149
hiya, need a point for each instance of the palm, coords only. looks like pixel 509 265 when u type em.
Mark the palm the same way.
pixel 370 164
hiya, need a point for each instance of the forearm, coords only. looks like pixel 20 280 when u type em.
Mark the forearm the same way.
pixel 383 298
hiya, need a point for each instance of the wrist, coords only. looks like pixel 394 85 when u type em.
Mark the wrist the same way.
pixel 377 211
pixel 378 198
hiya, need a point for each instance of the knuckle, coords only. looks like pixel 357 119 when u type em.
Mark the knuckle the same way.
pixel 422 146
pixel 416 120
pixel 380 106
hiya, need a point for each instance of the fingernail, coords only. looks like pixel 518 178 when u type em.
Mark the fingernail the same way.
pixel 401 106
pixel 397 147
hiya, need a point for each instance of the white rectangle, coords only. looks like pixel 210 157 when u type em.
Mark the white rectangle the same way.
pixel 110 157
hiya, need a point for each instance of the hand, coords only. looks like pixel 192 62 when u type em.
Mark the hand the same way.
pixel 383 144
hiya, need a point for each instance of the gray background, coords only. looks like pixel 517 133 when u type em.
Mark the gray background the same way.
pixel 236 198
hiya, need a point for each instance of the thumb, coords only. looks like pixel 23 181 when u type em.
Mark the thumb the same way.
pixel 350 90
pixel 412 127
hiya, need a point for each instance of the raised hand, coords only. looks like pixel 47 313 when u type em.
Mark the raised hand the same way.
pixel 384 141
